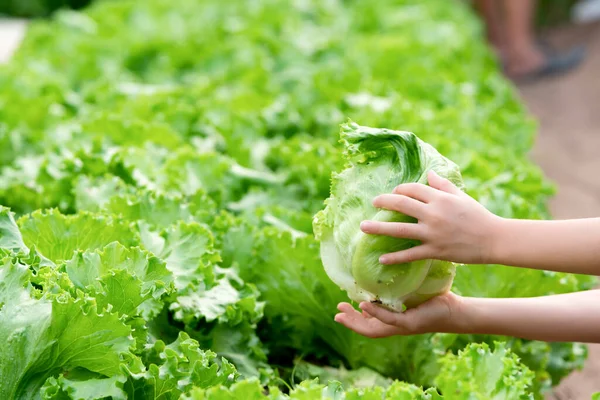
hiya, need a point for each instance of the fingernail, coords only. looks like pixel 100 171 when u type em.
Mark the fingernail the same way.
pixel 366 225
pixel 383 259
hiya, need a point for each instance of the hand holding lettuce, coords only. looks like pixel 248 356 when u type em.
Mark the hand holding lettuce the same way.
pixel 396 254
pixel 377 160
pixel 452 226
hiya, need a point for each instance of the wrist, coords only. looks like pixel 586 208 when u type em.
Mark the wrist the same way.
pixel 464 317
pixel 498 234
pixel 469 319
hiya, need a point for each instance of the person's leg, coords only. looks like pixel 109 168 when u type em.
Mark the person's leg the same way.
pixel 491 13
pixel 509 28
pixel 522 52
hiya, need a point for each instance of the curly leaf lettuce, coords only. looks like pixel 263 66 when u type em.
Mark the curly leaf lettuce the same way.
pixel 10 236
pixel 104 273
pixel 52 334
pixel 377 161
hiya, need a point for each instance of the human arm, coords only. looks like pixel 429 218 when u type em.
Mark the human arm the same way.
pixel 572 317
pixel 571 246
pixel 453 226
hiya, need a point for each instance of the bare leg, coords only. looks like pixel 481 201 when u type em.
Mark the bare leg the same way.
pixel 491 13
pixel 510 29
pixel 522 53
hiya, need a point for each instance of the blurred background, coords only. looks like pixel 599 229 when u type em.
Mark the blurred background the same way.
pixel 550 49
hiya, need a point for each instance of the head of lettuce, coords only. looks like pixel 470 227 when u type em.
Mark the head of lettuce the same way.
pixel 377 160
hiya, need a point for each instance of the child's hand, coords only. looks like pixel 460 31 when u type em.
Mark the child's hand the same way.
pixel 571 317
pixel 451 226
pixel 443 313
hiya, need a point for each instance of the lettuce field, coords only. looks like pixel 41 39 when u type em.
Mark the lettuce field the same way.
pixel 162 163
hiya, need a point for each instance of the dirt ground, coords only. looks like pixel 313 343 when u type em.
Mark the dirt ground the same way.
pixel 568 150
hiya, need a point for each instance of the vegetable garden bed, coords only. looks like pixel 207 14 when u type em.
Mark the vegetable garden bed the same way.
pixel 161 166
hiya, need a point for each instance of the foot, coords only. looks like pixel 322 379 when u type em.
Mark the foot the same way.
pixel 542 62
pixel 501 50
pixel 524 61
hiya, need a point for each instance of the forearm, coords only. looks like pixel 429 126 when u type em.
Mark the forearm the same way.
pixel 565 246
pixel 573 317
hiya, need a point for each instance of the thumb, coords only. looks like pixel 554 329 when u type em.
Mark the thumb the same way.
pixel 437 182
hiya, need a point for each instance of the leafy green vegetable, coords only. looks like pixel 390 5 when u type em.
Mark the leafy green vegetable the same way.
pixel 131 280
pixel 485 374
pixel 53 333
pixel 377 161
pixel 164 161
pixel 10 236
pixel 475 373
pixel 58 236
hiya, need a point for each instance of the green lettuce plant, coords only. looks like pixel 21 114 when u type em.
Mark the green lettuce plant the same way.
pixel 377 161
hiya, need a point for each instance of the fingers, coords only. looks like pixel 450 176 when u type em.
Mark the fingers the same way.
pixel 416 191
pixel 421 252
pixel 346 308
pixel 386 316
pixel 369 327
pixel 402 204
pixel 434 315
pixel 437 182
pixel 426 193
pixel 394 229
